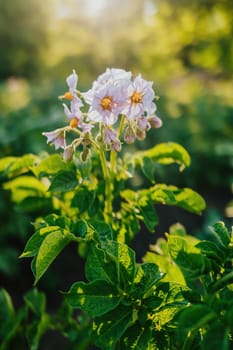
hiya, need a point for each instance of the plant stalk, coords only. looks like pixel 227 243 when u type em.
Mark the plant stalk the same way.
pixel 108 187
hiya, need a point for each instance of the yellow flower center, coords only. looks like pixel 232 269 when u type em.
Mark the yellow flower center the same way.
pixel 74 122
pixel 106 103
pixel 68 96
pixel 136 97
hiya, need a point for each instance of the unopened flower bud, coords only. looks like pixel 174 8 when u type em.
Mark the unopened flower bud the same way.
pixel 155 122
pixel 84 154
pixel 140 134
pixel 99 138
pixel 86 141
pixel 129 136
pixel 112 140
pixel 68 153
pixel 116 146
pixel 143 123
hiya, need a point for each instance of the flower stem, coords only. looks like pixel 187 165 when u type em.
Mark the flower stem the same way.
pixel 114 153
pixel 108 187
pixel 103 163
pixel 121 127
pixel 112 163
pixel 109 174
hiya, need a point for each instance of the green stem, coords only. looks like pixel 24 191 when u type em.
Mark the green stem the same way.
pixel 201 324
pixel 114 153
pixel 108 201
pixel 103 163
pixel 228 278
pixel 188 341
pixel 108 187
pixel 121 127
pixel 109 174
pixel 112 163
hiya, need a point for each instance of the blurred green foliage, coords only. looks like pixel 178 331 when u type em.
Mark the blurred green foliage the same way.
pixel 23 37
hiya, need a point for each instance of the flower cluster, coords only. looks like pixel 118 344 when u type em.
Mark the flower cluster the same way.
pixel 121 108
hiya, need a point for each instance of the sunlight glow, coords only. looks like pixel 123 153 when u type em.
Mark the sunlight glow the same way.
pixel 93 8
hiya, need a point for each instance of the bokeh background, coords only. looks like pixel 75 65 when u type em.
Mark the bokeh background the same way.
pixel 185 47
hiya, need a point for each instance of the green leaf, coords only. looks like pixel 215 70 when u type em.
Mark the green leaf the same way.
pixel 221 233
pixel 83 199
pixel 187 256
pixel 21 165
pixel 192 265
pixel 36 301
pixel 125 260
pixel 36 330
pixel 148 168
pixel 211 250
pixel 129 195
pixel 167 266
pixel 189 200
pixel 103 230
pixel 166 153
pixel 79 228
pixel 32 246
pixel 161 194
pixel 192 296
pixel 129 224
pixel 10 321
pixel 137 337
pixel 96 298
pixel 34 203
pixel 13 166
pixel 100 266
pixel 63 181
pixel 50 247
pixel 193 318
pixel 51 166
pixel 149 215
pixel 141 200
pixel 176 255
pixel 147 276
pixel 109 328
pixel 54 220
pixel 185 198
pixel 34 242
pixel 177 244
pixel 5 164
pixel 166 314
pixel 25 186
pixel 175 295
pixel 218 336
pixel 177 230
